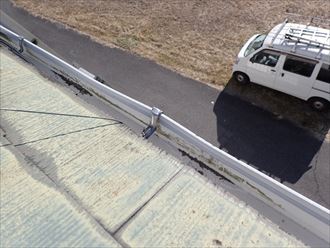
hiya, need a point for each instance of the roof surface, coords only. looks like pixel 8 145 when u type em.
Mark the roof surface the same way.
pixel 70 177
pixel 308 32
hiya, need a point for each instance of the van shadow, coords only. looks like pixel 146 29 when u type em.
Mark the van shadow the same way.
pixel 274 146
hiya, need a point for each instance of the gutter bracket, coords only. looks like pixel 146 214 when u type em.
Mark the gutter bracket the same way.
pixel 21 49
pixel 151 128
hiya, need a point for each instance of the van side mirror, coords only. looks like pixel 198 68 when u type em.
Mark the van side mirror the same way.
pixel 252 60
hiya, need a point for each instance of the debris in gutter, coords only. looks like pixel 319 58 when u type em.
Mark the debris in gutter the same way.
pixel 69 82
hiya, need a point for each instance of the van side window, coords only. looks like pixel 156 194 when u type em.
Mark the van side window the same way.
pixel 266 57
pixel 299 66
pixel 324 74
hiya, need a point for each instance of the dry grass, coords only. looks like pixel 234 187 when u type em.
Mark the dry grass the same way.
pixel 197 38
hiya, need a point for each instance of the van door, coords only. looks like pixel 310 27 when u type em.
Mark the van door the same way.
pixel 321 86
pixel 261 68
pixel 296 77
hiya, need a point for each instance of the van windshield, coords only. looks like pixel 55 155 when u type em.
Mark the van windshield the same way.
pixel 255 44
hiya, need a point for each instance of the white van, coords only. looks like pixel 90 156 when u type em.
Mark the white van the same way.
pixel 291 58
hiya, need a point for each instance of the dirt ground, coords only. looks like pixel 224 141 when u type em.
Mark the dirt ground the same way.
pixel 197 38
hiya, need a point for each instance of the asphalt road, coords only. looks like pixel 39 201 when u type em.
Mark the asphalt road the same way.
pixel 275 146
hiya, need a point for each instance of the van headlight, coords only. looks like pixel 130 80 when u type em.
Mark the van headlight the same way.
pixel 237 61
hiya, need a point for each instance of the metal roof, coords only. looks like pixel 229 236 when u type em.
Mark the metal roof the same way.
pixel 72 177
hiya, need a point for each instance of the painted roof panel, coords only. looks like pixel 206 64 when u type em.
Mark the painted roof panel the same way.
pixel 35 214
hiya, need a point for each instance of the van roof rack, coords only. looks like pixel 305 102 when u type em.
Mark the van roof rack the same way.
pixel 298 36
pixel 310 41
pixel 278 32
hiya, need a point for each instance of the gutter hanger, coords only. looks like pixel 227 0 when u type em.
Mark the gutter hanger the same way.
pixel 149 130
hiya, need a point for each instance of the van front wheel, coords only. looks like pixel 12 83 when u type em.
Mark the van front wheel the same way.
pixel 318 104
pixel 241 78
